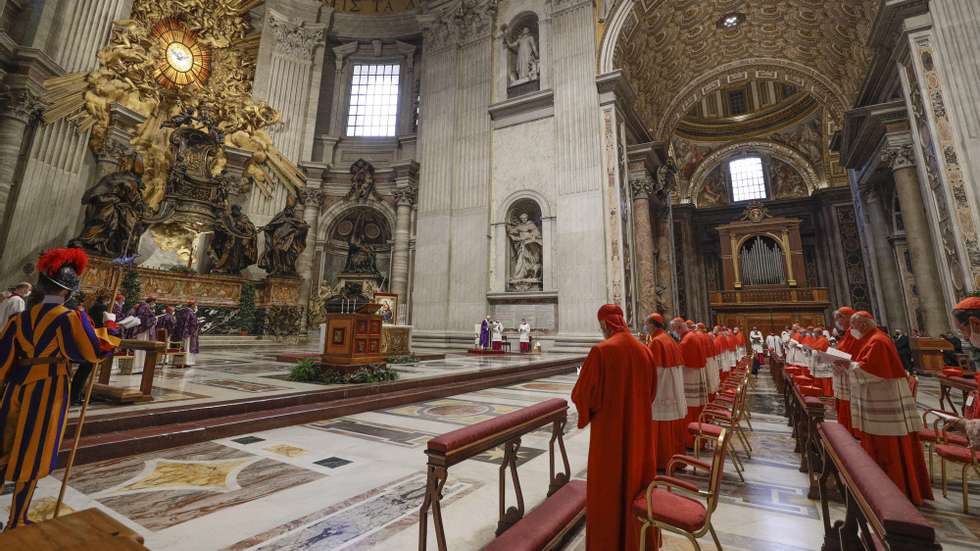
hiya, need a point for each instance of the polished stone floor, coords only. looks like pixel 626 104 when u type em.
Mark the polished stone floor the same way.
pixel 356 483
pixel 229 374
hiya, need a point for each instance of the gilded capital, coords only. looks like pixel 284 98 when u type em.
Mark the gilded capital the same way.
pixel 641 185
pixel 311 197
pixel 295 39
pixel 21 104
pixel 898 156
pixel 406 195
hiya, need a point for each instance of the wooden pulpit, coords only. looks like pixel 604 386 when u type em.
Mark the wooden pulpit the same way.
pixel 353 339
pixel 126 395
pixel 928 352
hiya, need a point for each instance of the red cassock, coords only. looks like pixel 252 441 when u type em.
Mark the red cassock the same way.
pixel 694 360
pixel 848 344
pixel 826 383
pixel 901 457
pixel 615 393
pixel 669 436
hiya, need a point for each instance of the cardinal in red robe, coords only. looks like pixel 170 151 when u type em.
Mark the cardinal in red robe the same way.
pixel 884 412
pixel 841 381
pixel 819 342
pixel 614 394
pixel 695 374
pixel 670 407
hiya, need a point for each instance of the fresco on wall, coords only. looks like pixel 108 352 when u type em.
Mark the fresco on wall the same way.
pixel 714 192
pixel 805 137
pixel 787 183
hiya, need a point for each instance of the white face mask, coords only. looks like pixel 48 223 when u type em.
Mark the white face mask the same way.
pixel 839 325
pixel 855 333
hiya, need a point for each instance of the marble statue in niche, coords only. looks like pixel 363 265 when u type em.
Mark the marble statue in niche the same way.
pixel 114 211
pixel 285 240
pixel 526 247
pixel 524 49
pixel 522 55
pixel 361 256
pixel 234 246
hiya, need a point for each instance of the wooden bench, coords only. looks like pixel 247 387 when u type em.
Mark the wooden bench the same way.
pixel 776 371
pixel 546 526
pixel 806 413
pixel 879 516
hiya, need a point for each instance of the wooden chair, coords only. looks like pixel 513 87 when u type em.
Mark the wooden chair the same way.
pixel 679 506
pixel 930 437
pixel 965 456
pixel 704 429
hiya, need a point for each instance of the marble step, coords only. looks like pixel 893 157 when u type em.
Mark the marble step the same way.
pixel 112 436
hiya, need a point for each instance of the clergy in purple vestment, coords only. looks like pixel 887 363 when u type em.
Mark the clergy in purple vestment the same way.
pixel 187 329
pixel 144 331
pixel 148 319
pixel 117 307
pixel 168 321
pixel 485 333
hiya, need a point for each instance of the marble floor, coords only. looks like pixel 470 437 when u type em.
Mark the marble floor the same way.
pixel 229 374
pixel 356 483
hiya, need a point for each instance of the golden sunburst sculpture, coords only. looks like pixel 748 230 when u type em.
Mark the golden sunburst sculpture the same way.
pixel 185 61
pixel 170 57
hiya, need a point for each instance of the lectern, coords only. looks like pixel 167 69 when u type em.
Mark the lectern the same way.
pixel 928 352
pixel 353 339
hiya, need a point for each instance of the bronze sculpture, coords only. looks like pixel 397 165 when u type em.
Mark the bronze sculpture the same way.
pixel 234 246
pixel 285 240
pixel 114 211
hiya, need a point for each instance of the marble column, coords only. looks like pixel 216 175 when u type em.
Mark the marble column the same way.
pixel 888 280
pixel 406 190
pixel 663 222
pixel 641 185
pixel 312 198
pixel 19 107
pixel 918 235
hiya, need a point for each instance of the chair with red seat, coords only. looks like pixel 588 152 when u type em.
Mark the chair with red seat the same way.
pixel 930 437
pixel 676 505
pixel 713 420
pixel 730 416
pixel 962 455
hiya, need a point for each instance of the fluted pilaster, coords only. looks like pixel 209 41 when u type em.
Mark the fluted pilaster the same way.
pixel 406 191
pixel 884 255
pixel 901 159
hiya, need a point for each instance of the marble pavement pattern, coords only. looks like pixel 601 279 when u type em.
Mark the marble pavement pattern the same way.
pixel 355 483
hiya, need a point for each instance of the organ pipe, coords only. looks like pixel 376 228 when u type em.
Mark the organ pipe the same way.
pixel 762 262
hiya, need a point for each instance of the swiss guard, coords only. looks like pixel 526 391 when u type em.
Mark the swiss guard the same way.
pixel 35 350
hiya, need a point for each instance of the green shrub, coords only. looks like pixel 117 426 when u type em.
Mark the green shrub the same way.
pixel 306 370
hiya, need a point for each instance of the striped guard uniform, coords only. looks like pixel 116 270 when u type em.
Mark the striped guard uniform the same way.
pixel 35 349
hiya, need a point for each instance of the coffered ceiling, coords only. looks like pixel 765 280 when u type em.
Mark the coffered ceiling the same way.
pixel 675 51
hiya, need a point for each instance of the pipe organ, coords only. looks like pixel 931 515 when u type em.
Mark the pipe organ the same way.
pixel 762 261
pixel 764 275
